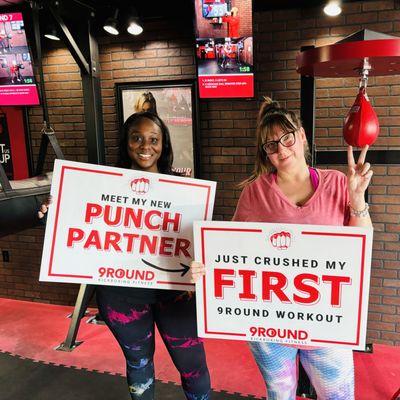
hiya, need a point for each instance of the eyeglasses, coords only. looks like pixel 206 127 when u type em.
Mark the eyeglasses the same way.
pixel 287 140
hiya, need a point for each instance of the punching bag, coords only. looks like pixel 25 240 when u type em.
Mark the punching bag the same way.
pixel 361 126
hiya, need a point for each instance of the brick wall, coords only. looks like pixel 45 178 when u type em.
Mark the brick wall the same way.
pixel 245 14
pixel 227 131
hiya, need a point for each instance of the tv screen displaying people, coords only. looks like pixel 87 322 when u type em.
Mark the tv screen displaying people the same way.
pixel 224 48
pixel 215 8
pixel 17 81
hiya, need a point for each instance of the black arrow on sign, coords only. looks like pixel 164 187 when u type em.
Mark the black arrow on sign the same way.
pixel 184 270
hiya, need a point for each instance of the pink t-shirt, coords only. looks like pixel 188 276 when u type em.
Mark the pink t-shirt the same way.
pixel 263 201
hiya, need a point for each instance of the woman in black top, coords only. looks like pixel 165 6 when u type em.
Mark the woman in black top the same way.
pixel 132 313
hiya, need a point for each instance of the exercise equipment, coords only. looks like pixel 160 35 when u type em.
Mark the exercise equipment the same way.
pixel 362 54
pixel 361 126
pixel 20 200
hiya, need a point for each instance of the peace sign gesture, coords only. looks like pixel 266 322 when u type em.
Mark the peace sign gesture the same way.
pixel 358 176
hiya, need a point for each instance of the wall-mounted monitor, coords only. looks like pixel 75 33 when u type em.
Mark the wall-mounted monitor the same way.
pixel 17 81
pixel 224 48
pixel 215 8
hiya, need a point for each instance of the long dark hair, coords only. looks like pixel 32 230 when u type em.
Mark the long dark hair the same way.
pixel 164 163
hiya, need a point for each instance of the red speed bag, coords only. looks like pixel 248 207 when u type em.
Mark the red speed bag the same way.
pixel 361 126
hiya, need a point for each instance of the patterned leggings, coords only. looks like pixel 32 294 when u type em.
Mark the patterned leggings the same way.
pixel 133 327
pixel 331 371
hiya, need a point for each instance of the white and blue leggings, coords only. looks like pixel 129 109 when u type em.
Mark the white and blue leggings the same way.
pixel 331 370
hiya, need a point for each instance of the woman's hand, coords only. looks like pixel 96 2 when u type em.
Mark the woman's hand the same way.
pixel 44 207
pixel 197 270
pixel 358 177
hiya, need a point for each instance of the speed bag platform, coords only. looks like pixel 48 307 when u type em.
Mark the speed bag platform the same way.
pixel 19 205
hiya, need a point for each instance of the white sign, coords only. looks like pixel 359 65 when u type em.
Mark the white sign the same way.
pixel 284 283
pixel 122 227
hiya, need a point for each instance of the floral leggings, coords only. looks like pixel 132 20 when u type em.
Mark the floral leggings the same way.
pixel 331 370
pixel 133 327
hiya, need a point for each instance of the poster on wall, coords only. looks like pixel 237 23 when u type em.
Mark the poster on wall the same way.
pixel 224 48
pixel 14 154
pixel 17 81
pixel 173 102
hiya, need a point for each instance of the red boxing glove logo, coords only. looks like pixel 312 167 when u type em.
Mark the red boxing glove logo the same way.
pixel 140 185
pixel 281 240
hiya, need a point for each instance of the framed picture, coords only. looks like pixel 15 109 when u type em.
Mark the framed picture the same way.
pixel 175 103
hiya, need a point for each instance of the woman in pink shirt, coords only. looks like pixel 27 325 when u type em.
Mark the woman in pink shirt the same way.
pixel 284 189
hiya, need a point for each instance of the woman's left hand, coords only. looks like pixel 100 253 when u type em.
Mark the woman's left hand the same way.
pixel 197 270
pixel 358 176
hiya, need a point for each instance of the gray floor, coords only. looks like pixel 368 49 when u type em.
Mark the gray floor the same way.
pixel 23 379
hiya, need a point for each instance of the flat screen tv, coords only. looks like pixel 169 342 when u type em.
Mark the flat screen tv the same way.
pixel 224 49
pixel 17 81
pixel 215 8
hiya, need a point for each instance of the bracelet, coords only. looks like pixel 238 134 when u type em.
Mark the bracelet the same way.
pixel 359 213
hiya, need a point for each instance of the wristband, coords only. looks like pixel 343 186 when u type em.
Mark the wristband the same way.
pixel 359 213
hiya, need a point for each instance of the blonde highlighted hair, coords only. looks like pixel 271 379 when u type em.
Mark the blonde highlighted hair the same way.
pixel 271 115
pixel 146 97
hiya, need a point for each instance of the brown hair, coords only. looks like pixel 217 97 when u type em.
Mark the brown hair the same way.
pixel 271 114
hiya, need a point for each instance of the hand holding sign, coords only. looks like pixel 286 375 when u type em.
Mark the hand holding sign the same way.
pixel 44 207
pixel 197 270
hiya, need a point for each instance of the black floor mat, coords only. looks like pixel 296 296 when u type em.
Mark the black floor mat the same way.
pixel 24 379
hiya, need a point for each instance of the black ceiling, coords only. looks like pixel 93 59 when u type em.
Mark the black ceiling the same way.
pixel 76 12
pixel 164 8
pixel 151 9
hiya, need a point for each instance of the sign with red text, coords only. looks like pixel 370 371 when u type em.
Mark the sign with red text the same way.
pixel 121 227
pixel 304 285
pixel 14 154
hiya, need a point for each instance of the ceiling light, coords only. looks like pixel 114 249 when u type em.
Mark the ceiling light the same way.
pixel 134 27
pixel 110 25
pixel 52 35
pixel 332 9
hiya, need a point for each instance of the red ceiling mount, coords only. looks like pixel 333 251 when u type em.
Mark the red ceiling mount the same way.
pixel 349 56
